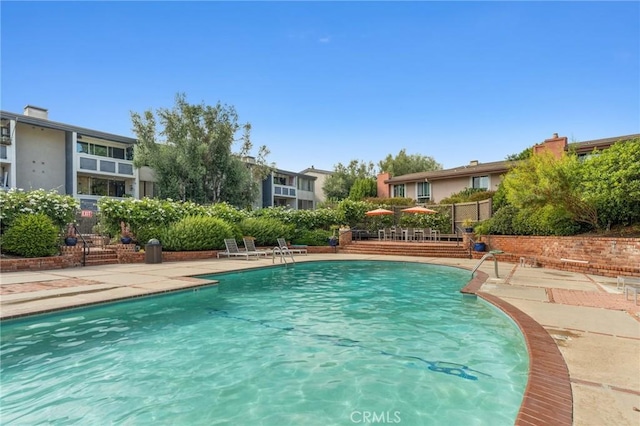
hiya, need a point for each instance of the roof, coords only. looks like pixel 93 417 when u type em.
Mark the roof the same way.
pixel 468 170
pixel 601 143
pixel 500 166
pixel 48 124
pixel 314 170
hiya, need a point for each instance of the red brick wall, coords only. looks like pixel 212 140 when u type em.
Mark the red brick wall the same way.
pixel 605 256
pixel 383 188
pixel 39 263
pixel 556 145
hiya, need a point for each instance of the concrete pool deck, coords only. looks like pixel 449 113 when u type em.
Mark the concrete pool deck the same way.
pixel 595 329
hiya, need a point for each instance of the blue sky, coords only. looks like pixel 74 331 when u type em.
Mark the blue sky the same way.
pixel 329 82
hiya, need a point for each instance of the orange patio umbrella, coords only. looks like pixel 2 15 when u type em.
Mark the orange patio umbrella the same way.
pixel 378 212
pixel 419 209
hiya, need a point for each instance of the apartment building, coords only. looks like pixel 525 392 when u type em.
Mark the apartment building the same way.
pixel 282 188
pixel 431 187
pixel 37 153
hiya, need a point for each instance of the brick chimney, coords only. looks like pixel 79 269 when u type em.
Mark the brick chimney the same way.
pixel 383 188
pixel 556 145
pixel 36 112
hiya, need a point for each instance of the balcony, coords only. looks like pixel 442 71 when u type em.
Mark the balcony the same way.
pixel 112 166
pixel 284 191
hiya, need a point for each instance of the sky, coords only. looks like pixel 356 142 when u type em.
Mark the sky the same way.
pixel 323 83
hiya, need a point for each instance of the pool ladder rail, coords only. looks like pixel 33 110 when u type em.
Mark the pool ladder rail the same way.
pixel 282 252
pixel 492 253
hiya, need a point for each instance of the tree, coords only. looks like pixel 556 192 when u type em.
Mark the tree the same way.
pixel 194 161
pixel 363 188
pixel 544 181
pixel 611 181
pixel 404 164
pixel 338 185
pixel 523 155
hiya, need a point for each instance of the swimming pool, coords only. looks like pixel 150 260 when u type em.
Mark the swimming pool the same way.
pixel 318 343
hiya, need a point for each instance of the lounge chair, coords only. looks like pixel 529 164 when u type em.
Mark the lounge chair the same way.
pixel 250 247
pixel 284 247
pixel 234 251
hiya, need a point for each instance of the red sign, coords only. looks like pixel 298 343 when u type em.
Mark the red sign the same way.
pixel 86 213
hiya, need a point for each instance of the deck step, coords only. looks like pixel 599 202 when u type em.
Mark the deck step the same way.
pixel 435 249
pixel 98 256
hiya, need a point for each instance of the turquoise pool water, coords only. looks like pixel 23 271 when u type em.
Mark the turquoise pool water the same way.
pixel 319 343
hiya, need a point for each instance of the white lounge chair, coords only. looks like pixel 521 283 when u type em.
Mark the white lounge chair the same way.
pixel 234 251
pixel 284 247
pixel 250 247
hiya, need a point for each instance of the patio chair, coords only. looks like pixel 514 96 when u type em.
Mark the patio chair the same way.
pixel 250 247
pixel 410 234
pixel 282 244
pixel 234 251
pixel 384 234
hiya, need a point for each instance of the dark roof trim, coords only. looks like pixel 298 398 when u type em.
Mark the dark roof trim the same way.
pixel 605 143
pixel 34 121
pixel 462 171
pixel 286 172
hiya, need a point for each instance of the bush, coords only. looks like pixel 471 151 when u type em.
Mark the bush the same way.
pixel 61 209
pixel 196 233
pixel 318 237
pixel 266 230
pixel 31 235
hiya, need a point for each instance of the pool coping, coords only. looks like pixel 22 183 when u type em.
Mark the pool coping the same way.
pixel 548 398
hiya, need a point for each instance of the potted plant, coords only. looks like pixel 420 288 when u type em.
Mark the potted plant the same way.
pixel 467 224
pixel 125 233
pixel 71 238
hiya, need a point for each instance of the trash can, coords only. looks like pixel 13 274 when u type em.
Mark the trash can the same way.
pixel 153 251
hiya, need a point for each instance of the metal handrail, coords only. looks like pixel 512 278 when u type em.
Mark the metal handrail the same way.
pixel 85 245
pixel 492 253
pixel 282 252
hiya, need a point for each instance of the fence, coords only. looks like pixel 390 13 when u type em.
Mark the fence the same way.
pixel 476 211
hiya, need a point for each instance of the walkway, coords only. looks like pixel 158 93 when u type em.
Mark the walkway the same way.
pixel 596 330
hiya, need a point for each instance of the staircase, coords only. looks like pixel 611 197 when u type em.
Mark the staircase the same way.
pixel 423 249
pixel 99 254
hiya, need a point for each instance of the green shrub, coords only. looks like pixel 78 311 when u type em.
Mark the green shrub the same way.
pixel 147 232
pixel 266 230
pixel 31 235
pixel 196 233
pixel 318 237
pixel 61 209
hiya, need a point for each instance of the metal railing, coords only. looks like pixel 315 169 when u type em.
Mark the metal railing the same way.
pixel 492 253
pixel 85 245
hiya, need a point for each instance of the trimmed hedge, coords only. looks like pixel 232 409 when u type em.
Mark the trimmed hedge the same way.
pixel 31 235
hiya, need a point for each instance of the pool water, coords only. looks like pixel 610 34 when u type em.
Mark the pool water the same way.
pixel 317 343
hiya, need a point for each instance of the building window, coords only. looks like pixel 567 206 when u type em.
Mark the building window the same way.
pixel 280 179
pixel 398 190
pixel 88 185
pixel 305 184
pixel 305 205
pixel 424 192
pixel 102 150
pixel 481 182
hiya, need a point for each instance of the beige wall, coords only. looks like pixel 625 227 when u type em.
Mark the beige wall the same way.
pixel 40 158
pixel 444 188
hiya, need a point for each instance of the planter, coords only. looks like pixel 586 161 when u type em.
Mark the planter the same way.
pixel 479 247
pixel 125 240
pixel 468 230
pixel 70 241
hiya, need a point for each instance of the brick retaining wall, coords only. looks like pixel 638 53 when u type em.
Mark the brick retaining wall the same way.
pixel 72 256
pixel 593 255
